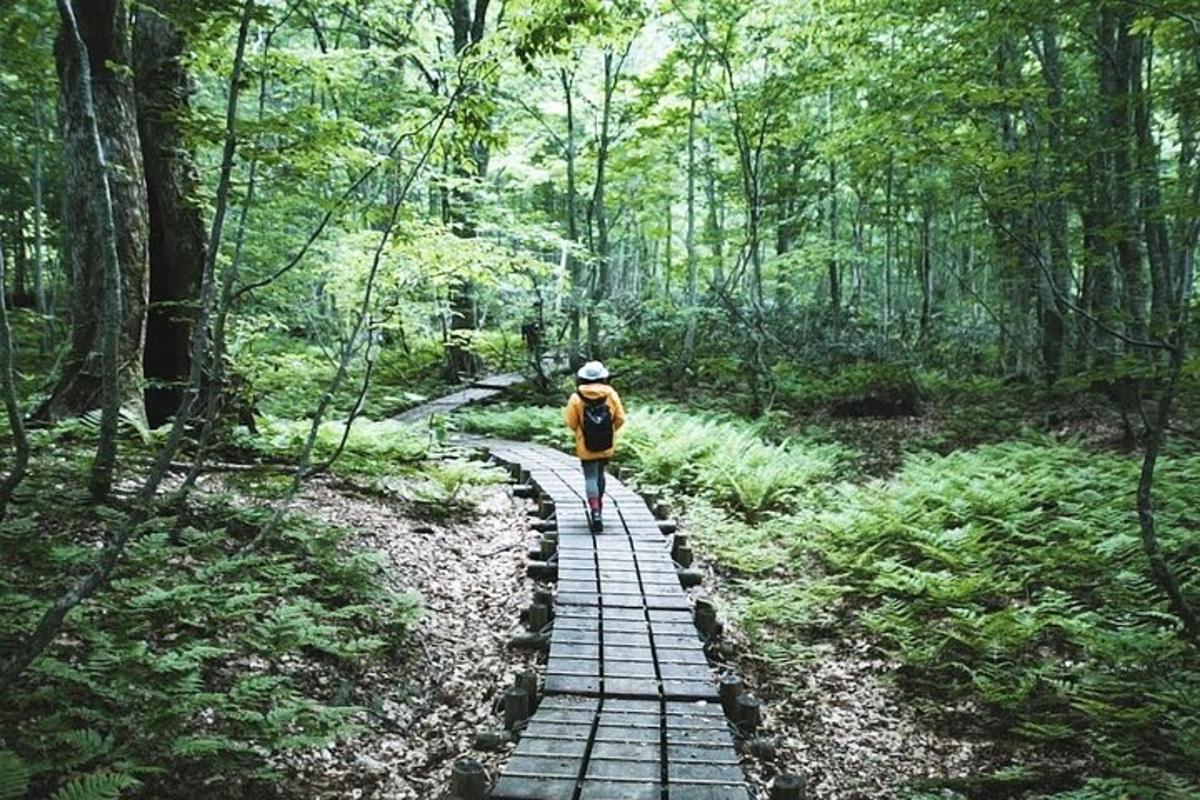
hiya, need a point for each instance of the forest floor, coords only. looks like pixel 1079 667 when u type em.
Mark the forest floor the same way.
pixel 842 724
pixel 423 709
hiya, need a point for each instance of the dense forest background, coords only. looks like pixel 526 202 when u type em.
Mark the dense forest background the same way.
pixel 901 294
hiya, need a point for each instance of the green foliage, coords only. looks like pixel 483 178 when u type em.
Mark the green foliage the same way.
pixel 14 776
pixel 372 448
pixel 720 458
pixel 103 785
pixel 443 489
pixel 186 667
pixel 1011 575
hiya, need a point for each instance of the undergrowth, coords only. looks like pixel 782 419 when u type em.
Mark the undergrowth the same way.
pixel 722 458
pixel 197 664
pixel 1006 579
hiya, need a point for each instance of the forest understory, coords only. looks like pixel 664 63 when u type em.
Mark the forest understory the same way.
pixel 900 296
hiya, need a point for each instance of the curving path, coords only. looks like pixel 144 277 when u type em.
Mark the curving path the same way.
pixel 630 708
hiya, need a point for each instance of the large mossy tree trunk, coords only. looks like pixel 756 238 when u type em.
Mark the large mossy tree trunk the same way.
pixel 177 235
pixel 104 26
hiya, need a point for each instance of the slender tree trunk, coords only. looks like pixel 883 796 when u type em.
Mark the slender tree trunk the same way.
pixel 1154 222
pixel 714 228
pixel 16 421
pixel 1054 308
pixel 177 238
pixel 575 358
pixel 1119 62
pixel 835 278
pixel 925 268
pixel 20 290
pixel 39 184
pixel 890 242
pixel 599 211
pixel 468 26
pixel 106 197
pixel 689 239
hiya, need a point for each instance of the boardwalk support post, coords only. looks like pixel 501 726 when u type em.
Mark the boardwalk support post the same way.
pixel 523 491
pixel 528 682
pixel 530 641
pixel 493 739
pixel 542 571
pixel 706 618
pixel 690 577
pixel 761 747
pixel 668 526
pixel 749 713
pixel 539 617
pixel 789 787
pixel 468 781
pixel 730 689
pixel 545 597
pixel 516 706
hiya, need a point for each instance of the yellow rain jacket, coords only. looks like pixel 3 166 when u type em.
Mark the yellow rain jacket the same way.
pixel 574 415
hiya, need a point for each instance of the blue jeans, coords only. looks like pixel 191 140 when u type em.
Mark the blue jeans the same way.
pixel 593 481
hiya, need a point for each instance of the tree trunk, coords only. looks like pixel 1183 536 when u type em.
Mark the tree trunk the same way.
pixel 689 239
pixel 468 26
pixel 575 358
pixel 599 212
pixel 16 421
pixel 38 183
pixel 1054 302
pixel 20 287
pixel 104 29
pixel 177 237
pixel 925 270
pixel 1119 62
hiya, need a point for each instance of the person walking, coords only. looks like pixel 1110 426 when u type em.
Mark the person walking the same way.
pixel 594 412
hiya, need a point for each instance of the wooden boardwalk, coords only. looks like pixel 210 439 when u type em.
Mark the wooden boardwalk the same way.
pixel 630 709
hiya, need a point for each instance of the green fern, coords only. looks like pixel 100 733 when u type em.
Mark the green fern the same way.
pixel 102 785
pixel 14 776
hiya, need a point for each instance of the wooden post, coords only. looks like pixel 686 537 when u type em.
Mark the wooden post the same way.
pixel 731 689
pixel 706 617
pixel 544 525
pixel 516 707
pixel 548 544
pixel 528 682
pixel 546 508
pixel 683 556
pixel 539 617
pixel 542 571
pixel 677 541
pixel 749 713
pixel 668 526
pixel 523 490
pixel 530 641
pixel 688 577
pixel 546 598
pixel 468 781
pixel 789 787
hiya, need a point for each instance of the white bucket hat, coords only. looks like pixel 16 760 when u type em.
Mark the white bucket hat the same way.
pixel 592 371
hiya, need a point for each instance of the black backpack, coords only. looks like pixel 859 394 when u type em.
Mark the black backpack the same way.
pixel 597 424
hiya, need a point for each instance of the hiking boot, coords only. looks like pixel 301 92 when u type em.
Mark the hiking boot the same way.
pixel 597 522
